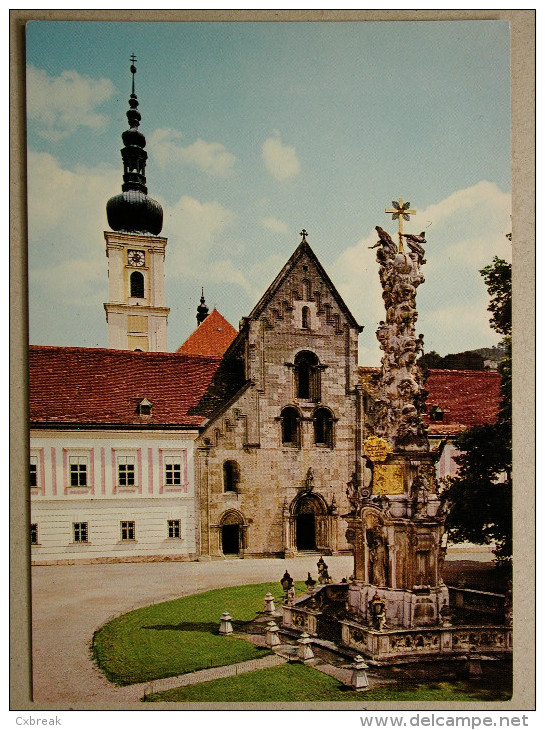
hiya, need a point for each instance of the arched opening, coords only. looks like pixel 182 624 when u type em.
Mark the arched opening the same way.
pixel 323 427
pixel 307 376
pixel 305 318
pixel 290 427
pixel 232 535
pixel 309 513
pixel 231 476
pixel 137 284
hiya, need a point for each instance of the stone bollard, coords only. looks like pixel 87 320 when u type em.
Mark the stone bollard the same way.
pixel 359 680
pixel 271 637
pixel 269 604
pixel 473 665
pixel 226 627
pixel 304 652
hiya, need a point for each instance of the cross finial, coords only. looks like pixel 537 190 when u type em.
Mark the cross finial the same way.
pixel 400 212
pixel 304 234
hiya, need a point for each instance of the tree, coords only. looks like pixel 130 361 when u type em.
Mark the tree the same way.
pixel 480 496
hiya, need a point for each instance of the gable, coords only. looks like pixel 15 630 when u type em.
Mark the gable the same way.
pixel 303 279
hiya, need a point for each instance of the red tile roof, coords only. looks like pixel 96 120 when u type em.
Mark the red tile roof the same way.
pixel 100 386
pixel 467 397
pixel 211 338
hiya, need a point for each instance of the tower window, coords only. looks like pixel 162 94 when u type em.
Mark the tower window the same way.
pixel 323 428
pixel 231 476
pixel 307 376
pixel 290 427
pixel 305 318
pixel 137 284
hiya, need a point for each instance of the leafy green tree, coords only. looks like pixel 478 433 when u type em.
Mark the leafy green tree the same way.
pixel 480 496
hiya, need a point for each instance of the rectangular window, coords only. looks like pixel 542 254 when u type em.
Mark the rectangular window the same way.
pixel 127 530
pixel 125 471
pixel 78 471
pixel 174 528
pixel 80 531
pixel 34 533
pixel 173 472
pixel 33 471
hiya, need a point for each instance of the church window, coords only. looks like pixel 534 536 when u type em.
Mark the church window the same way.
pixel 78 471
pixel 290 427
pixel 306 289
pixel 173 471
pixel 34 533
pixel 125 471
pixel 174 529
pixel 33 471
pixel 305 318
pixel 80 532
pixel 137 284
pixel 231 476
pixel 307 376
pixel 323 428
pixel 127 530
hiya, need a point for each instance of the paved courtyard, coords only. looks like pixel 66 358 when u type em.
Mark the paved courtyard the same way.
pixel 70 602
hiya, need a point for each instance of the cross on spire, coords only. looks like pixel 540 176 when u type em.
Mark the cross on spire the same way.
pixel 400 212
pixel 304 234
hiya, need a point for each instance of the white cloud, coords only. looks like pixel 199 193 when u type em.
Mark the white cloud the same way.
pixel 210 157
pixel 67 208
pixel 194 229
pixel 280 160
pixel 61 104
pixel 274 225
pixel 464 232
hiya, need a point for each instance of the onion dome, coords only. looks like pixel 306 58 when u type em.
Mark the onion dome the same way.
pixel 202 309
pixel 133 211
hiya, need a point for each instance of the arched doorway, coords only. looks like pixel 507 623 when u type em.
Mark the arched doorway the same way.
pixel 309 514
pixel 232 533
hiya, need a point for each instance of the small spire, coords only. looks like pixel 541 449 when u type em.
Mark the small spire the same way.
pixel 202 309
pixel 304 234
pixel 133 71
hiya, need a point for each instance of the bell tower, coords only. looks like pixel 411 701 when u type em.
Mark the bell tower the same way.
pixel 136 313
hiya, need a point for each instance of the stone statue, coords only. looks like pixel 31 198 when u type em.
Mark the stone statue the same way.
pixel 377 558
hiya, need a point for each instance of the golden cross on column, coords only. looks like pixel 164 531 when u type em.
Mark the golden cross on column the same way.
pixel 400 211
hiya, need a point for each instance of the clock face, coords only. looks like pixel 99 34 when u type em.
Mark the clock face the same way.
pixel 136 258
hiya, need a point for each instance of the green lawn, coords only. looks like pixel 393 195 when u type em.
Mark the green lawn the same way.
pixel 299 683
pixel 180 636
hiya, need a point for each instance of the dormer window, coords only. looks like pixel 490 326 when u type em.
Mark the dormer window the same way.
pixel 144 407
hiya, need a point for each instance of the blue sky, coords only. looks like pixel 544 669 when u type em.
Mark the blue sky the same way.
pixel 255 131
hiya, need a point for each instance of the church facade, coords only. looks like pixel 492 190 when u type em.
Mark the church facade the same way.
pixel 274 460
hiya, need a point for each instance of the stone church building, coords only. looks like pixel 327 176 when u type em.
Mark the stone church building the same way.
pixel 274 460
